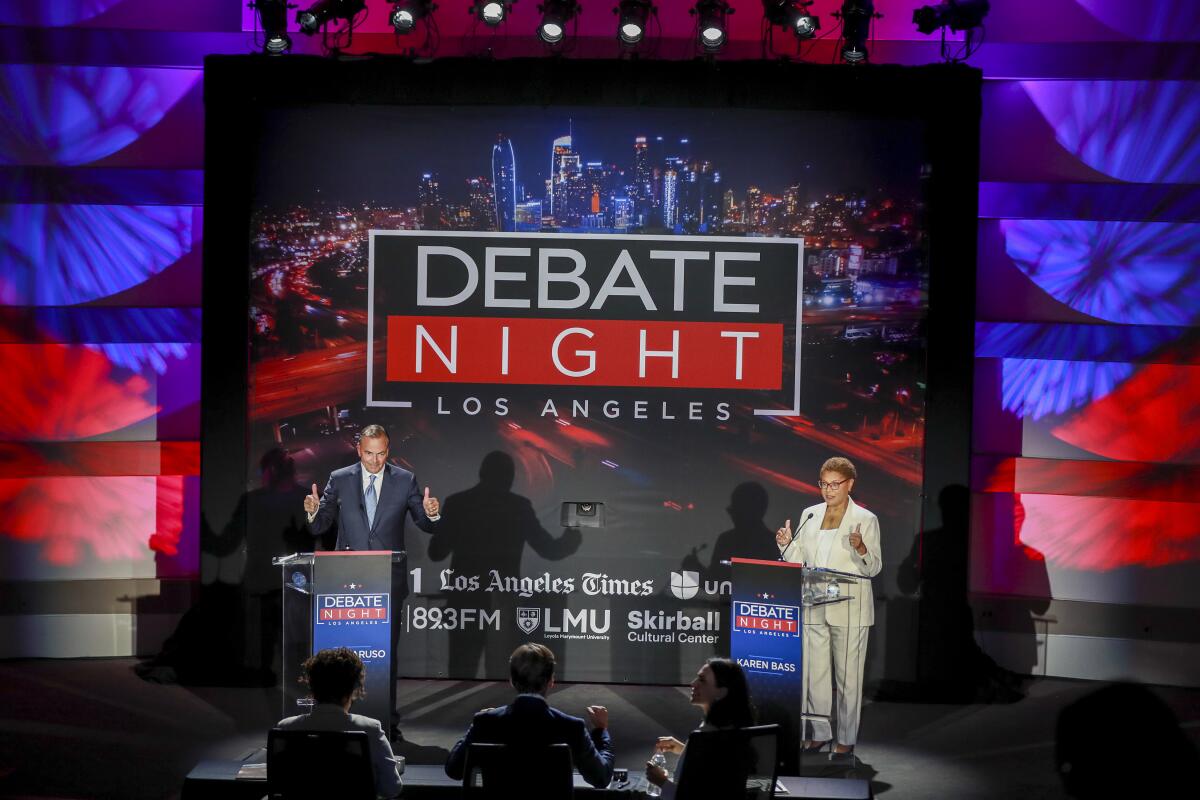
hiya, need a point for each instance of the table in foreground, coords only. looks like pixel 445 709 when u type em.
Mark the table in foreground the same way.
pixel 218 780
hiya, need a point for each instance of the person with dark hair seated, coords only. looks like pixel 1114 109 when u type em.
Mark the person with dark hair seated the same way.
pixel 336 678
pixel 721 692
pixel 1091 760
pixel 530 720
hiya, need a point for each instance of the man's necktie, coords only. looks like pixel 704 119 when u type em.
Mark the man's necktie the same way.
pixel 372 500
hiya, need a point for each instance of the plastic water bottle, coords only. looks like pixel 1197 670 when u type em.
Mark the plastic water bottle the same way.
pixel 658 760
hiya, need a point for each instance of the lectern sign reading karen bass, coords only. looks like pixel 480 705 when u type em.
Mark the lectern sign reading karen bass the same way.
pixel 522 318
pixel 765 637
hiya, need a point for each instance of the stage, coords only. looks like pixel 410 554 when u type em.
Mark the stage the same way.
pixel 73 726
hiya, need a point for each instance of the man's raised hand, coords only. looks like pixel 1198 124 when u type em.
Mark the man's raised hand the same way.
pixel 432 507
pixel 312 501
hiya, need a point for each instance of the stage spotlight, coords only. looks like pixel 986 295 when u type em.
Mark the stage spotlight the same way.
pixel 710 15
pixel 491 12
pixel 632 16
pixel 272 15
pixel 555 16
pixel 405 13
pixel 958 15
pixel 323 11
pixel 856 28
pixel 792 15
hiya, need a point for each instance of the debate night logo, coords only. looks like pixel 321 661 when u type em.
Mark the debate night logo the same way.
pixel 685 585
pixel 528 619
pixel 766 619
pixel 650 312
pixel 352 608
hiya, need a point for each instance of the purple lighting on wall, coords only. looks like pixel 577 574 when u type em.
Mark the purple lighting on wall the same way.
pixel 1160 21
pixel 76 115
pixel 54 14
pixel 68 254
pixel 1141 273
pixel 1139 131
pixel 1035 388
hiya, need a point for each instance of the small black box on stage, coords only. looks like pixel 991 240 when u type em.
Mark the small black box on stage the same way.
pixel 582 514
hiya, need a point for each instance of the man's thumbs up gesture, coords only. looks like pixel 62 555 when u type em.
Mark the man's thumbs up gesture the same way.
pixel 432 507
pixel 312 501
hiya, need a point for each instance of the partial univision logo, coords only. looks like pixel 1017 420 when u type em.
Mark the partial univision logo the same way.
pixel 685 585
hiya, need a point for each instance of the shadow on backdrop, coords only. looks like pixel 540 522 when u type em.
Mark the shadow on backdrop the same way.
pixel 485 529
pixel 230 636
pixel 951 666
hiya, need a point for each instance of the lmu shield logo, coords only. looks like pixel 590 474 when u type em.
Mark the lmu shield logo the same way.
pixel 685 585
pixel 528 619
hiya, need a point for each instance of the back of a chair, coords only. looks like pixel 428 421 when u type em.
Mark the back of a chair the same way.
pixel 319 765
pixel 735 764
pixel 503 771
pixel 760 779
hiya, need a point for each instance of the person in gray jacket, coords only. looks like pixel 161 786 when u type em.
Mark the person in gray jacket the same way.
pixel 336 677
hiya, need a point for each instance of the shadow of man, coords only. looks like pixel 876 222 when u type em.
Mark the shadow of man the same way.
pixel 749 537
pixel 208 647
pixel 951 666
pixel 484 531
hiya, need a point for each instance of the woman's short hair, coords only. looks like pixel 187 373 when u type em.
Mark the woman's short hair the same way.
pixel 734 709
pixel 335 674
pixel 531 667
pixel 842 466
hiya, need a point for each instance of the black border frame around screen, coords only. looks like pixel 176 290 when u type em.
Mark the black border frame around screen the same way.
pixel 240 91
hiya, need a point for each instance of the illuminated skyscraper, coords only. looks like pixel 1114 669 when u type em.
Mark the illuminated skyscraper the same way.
pixel 670 195
pixel 504 182
pixel 643 179
pixel 528 216
pixel 754 209
pixel 480 205
pixel 708 198
pixel 429 198
pixel 561 149
pixel 729 206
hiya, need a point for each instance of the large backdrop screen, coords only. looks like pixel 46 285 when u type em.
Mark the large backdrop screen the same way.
pixel 617 342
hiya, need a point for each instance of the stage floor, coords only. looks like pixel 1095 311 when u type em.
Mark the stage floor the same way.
pixel 94 729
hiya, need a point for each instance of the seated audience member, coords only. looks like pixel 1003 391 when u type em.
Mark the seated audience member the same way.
pixel 1101 736
pixel 721 692
pixel 530 720
pixel 335 678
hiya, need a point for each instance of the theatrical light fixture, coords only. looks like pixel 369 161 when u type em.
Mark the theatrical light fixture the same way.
pixel 405 13
pixel 272 15
pixel 856 18
pixel 792 15
pixel 710 16
pixel 555 16
pixel 323 11
pixel 957 15
pixel 632 16
pixel 491 12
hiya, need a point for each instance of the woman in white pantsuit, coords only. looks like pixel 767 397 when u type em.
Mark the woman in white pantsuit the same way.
pixel 837 534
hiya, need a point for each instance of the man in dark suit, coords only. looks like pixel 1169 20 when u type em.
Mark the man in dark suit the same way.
pixel 370 499
pixel 529 720
pixel 369 502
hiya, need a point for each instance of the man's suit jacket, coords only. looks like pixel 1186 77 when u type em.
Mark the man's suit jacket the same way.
pixel 343 501
pixel 861 609
pixel 529 720
pixel 329 717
